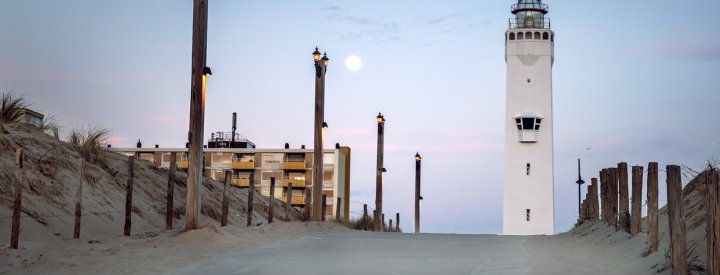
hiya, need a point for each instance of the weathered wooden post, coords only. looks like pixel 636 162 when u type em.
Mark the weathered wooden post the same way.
pixel 365 217
pixel 614 196
pixel 169 209
pixel 225 199
pixel 308 203
pixel 390 226
pixel 397 222
pixel 288 200
pixel 382 228
pixel 604 196
pixel 128 196
pixel 637 180
pixel 652 213
pixel 251 199
pixel 319 135
pixel 197 113
pixel 377 223
pixel 272 199
pixel 337 208
pixel 676 218
pixel 594 204
pixel 78 199
pixel 17 204
pixel 623 195
pixel 713 226
pixel 418 164
pixel 323 207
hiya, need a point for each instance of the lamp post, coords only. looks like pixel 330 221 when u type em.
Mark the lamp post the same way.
pixel 320 70
pixel 379 172
pixel 418 161
pixel 579 182
pixel 199 72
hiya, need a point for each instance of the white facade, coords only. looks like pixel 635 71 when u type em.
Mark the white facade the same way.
pixel 528 187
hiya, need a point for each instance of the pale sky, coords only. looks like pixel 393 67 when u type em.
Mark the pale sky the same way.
pixel 633 81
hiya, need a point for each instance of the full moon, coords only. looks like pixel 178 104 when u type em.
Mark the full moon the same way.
pixel 353 63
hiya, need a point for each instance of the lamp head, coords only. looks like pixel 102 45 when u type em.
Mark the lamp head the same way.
pixel 325 59
pixel 325 125
pixel 380 118
pixel 383 170
pixel 316 55
pixel 417 157
pixel 207 71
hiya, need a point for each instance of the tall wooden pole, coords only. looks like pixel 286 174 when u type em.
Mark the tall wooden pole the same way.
pixel 128 196
pixel 637 180
pixel 225 199
pixel 623 195
pixel 397 222
pixel 676 218
pixel 308 203
pixel 603 196
pixel 418 164
pixel 170 208
pixel 337 208
pixel 378 173
pixel 324 207
pixel 272 200
pixel 197 113
pixel 594 204
pixel 17 204
pixel 613 196
pixel 365 217
pixel 320 70
pixel 78 199
pixel 251 199
pixel 288 200
pixel 652 212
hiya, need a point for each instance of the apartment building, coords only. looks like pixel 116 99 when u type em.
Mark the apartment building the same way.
pixel 285 165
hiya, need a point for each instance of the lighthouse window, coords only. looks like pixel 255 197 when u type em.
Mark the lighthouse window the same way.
pixel 519 124
pixel 528 123
pixel 527 214
pixel 512 36
pixel 537 123
pixel 537 36
pixel 545 36
pixel 520 36
pixel 527 168
pixel 528 35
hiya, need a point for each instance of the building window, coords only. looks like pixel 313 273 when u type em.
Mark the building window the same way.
pixel 528 35
pixel 528 126
pixel 512 36
pixel 520 36
pixel 537 36
pixel 545 36
pixel 527 214
pixel 527 168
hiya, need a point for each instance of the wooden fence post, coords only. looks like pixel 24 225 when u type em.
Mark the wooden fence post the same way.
pixel 594 204
pixel 17 204
pixel 225 199
pixel 676 218
pixel 337 208
pixel 637 183
pixel 712 222
pixel 652 213
pixel 382 227
pixel 308 203
pixel 288 201
pixel 251 199
pixel 272 199
pixel 614 196
pixel 128 196
pixel 397 222
pixel 623 195
pixel 390 226
pixel 169 209
pixel 78 199
pixel 604 196
pixel 365 217
pixel 323 207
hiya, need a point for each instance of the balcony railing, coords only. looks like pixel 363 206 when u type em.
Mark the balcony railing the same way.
pixel 240 182
pixel 514 23
pixel 295 182
pixel 244 165
pixel 515 8
pixel 294 165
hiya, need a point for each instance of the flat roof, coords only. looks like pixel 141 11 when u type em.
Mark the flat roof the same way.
pixel 222 150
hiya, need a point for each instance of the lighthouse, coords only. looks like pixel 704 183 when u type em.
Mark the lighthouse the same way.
pixel 528 183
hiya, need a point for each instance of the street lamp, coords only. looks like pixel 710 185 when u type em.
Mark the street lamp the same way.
pixel 418 198
pixel 321 64
pixel 579 182
pixel 379 171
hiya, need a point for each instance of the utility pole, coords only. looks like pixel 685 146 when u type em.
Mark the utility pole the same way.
pixel 197 112
pixel 317 190
pixel 379 173
pixel 418 161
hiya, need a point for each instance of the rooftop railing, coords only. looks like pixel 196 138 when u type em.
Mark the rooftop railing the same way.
pixel 529 7
pixel 514 23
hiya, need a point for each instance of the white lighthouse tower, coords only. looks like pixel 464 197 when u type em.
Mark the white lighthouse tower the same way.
pixel 528 189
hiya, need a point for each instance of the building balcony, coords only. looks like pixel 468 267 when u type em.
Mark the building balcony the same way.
pixel 183 164
pixel 296 200
pixel 294 165
pixel 243 165
pixel 295 183
pixel 240 182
